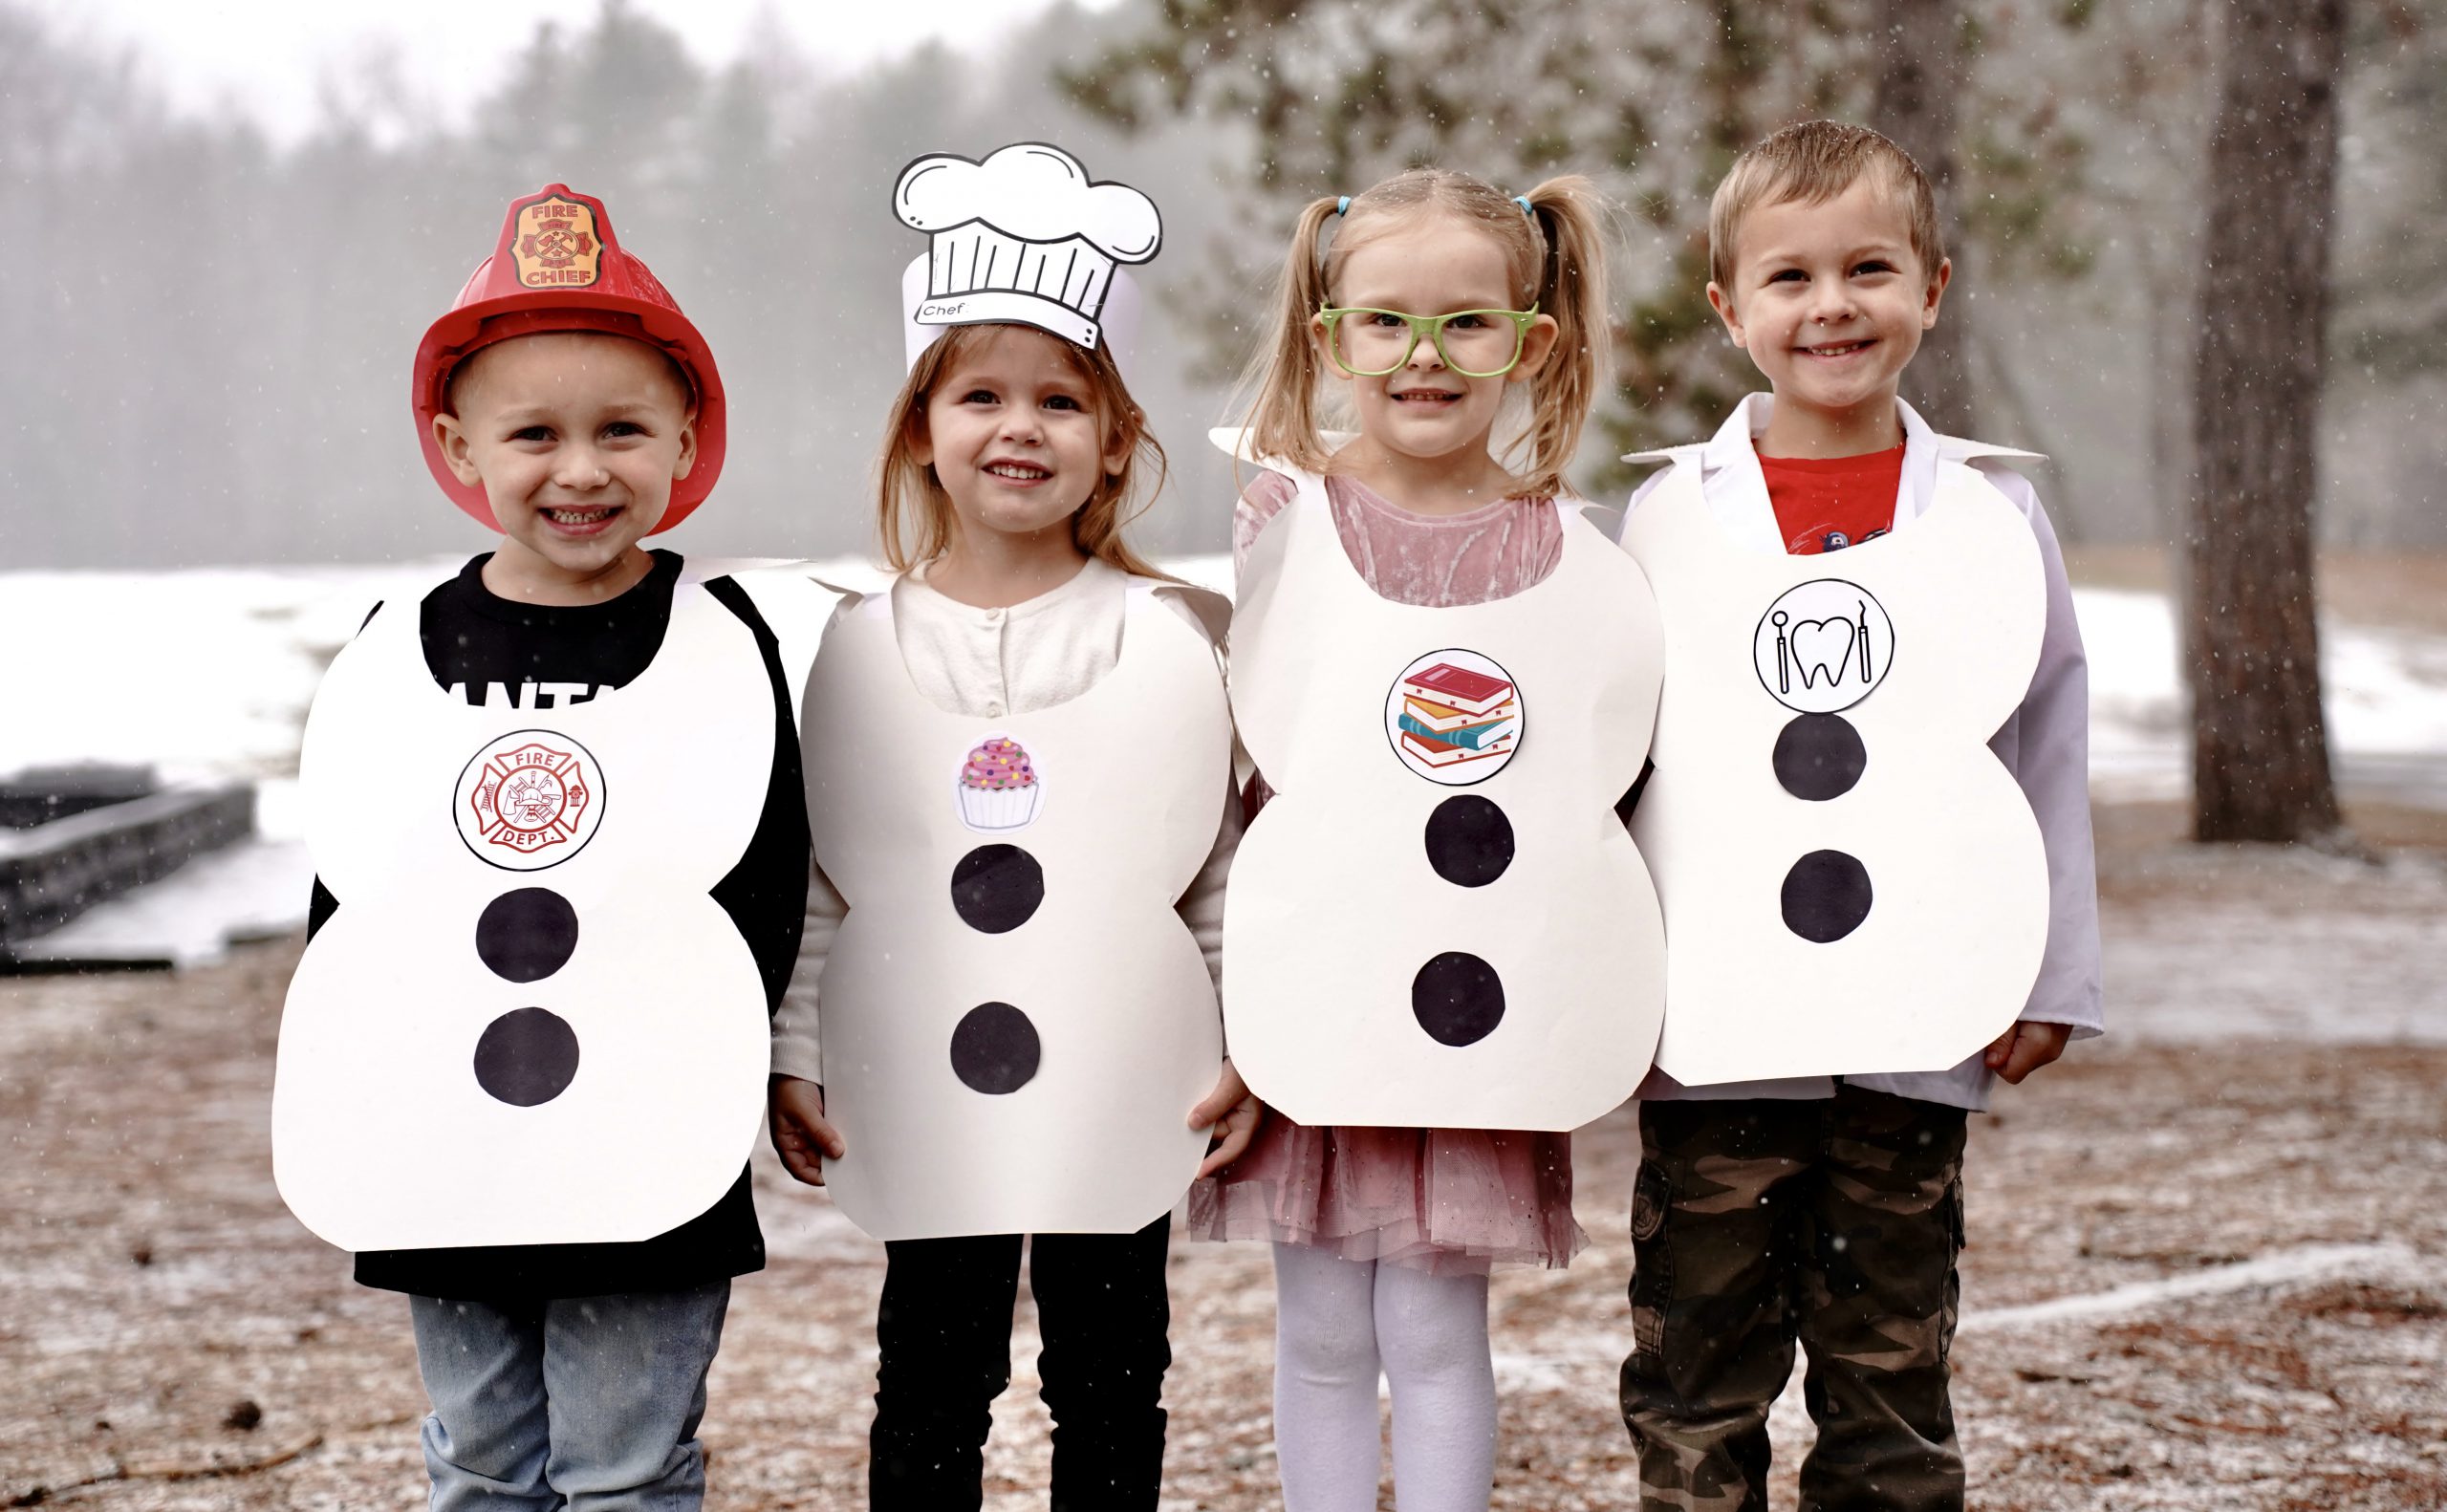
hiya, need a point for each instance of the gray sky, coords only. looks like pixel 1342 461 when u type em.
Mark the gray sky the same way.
pixel 269 58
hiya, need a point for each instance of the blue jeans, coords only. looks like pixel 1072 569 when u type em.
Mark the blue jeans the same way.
pixel 585 1403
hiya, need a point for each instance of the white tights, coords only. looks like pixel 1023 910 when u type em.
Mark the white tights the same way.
pixel 1337 1321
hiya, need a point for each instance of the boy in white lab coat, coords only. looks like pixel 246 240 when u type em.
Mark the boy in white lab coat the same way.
pixel 1827 1208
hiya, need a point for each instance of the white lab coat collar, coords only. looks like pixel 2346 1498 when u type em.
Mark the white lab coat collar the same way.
pixel 1737 489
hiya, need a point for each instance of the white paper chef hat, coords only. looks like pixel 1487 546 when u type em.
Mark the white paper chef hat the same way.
pixel 1024 236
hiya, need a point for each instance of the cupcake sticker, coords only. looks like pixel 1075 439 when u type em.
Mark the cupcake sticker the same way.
pixel 999 789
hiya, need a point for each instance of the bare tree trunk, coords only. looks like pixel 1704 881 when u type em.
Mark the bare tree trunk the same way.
pixel 2259 748
pixel 1922 72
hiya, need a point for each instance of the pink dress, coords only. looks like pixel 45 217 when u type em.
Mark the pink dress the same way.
pixel 1452 1202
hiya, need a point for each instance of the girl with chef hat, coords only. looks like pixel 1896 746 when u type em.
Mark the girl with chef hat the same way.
pixel 1018 755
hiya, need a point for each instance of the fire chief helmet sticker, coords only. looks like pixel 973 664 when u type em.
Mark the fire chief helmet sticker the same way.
pixel 1454 717
pixel 1823 646
pixel 557 246
pixel 528 800
pixel 999 789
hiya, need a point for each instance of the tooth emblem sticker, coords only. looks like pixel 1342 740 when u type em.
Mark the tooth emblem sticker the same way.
pixel 1823 646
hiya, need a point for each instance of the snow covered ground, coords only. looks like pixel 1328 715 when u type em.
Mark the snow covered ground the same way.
pixel 2206 1277
pixel 2387 702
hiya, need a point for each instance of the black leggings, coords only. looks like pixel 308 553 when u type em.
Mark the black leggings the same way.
pixel 945 1335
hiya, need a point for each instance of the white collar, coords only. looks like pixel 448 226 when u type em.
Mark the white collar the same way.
pixel 1737 489
pixel 1096 576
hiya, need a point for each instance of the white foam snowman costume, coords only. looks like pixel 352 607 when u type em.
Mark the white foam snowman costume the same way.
pixel 528 1021
pixel 1853 883
pixel 1015 1021
pixel 1438 920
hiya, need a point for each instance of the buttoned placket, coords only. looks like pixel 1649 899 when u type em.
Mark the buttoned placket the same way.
pixel 998 627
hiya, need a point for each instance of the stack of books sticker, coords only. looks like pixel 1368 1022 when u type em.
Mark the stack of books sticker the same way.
pixel 1452 715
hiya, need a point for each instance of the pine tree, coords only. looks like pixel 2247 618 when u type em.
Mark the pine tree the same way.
pixel 2260 743
pixel 1652 101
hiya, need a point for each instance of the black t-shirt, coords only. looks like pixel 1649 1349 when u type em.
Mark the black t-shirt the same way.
pixel 546 657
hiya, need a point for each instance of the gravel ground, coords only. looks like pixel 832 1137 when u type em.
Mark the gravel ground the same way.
pixel 2237 1203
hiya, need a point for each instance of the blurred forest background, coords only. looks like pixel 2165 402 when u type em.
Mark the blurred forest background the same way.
pixel 210 331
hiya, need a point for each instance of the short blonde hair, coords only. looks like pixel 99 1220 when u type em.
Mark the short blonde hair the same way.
pixel 914 514
pixel 1813 162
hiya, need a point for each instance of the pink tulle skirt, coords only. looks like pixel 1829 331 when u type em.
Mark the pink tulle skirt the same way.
pixel 1450 1202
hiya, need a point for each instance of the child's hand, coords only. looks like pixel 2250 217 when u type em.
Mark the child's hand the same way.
pixel 1230 1113
pixel 800 1129
pixel 2025 1048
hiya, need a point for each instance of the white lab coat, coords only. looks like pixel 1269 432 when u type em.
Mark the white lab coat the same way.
pixel 2046 745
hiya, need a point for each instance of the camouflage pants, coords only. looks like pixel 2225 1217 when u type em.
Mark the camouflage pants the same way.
pixel 1758 1221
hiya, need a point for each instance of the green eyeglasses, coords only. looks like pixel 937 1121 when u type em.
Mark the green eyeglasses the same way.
pixel 1475 343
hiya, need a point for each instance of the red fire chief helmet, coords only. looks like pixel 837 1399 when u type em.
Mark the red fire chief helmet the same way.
pixel 559 267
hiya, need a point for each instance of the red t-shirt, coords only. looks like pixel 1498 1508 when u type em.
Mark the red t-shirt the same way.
pixel 1825 504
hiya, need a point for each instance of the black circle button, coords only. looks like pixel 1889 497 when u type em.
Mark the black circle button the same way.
pixel 527 934
pixel 1457 999
pixel 996 888
pixel 1819 756
pixel 1469 841
pixel 995 1050
pixel 1825 897
pixel 526 1057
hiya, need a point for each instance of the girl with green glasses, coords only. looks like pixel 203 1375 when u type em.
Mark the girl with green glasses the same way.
pixel 1437 314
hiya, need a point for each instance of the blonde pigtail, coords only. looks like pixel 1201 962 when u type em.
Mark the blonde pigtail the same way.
pixel 1572 288
pixel 1283 377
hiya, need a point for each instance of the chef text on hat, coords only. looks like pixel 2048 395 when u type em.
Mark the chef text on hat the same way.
pixel 1024 236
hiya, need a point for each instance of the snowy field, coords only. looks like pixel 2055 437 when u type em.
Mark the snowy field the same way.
pixel 209 672
pixel 2386 703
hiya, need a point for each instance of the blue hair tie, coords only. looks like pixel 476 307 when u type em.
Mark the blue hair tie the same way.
pixel 1528 209
pixel 1342 207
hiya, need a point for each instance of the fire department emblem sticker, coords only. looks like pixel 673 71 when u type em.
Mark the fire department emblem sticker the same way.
pixel 557 246
pixel 529 800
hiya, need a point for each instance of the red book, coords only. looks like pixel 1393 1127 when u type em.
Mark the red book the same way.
pixel 1461 688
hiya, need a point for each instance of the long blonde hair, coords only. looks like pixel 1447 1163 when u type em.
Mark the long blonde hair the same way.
pixel 914 514
pixel 1556 256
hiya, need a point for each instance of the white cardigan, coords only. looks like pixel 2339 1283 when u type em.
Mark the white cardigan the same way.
pixel 989 663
